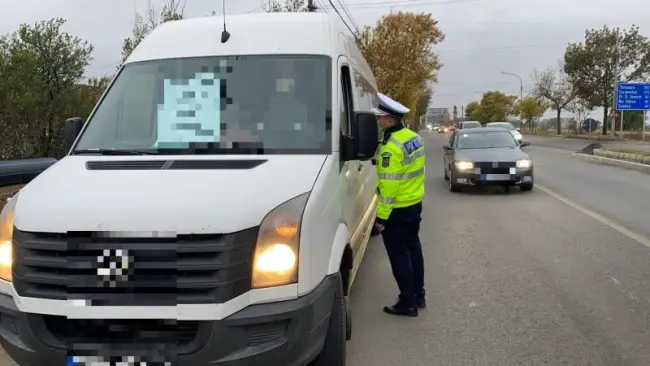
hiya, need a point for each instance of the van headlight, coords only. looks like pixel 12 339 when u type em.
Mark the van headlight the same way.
pixel 6 237
pixel 275 262
pixel 524 163
pixel 464 165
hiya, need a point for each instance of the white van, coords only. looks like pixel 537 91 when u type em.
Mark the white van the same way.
pixel 212 210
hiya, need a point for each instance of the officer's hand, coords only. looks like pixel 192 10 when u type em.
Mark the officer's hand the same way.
pixel 379 227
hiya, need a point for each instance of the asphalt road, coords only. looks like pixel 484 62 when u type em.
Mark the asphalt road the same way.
pixel 547 277
pixel 519 278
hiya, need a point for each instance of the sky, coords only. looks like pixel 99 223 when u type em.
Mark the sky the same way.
pixel 483 37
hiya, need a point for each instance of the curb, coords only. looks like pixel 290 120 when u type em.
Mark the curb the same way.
pixel 635 158
pixel 645 168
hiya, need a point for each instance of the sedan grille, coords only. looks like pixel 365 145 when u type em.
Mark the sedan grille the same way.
pixel 495 167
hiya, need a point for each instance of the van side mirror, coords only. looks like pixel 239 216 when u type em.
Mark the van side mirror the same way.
pixel 71 130
pixel 364 137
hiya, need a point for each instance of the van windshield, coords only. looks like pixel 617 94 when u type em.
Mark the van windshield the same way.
pixel 216 105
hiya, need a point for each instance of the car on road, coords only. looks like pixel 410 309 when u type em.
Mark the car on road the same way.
pixel 488 156
pixel 508 126
pixel 469 124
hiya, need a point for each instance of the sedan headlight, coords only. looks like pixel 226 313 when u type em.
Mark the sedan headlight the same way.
pixel 464 165
pixel 6 237
pixel 518 137
pixel 524 163
pixel 276 253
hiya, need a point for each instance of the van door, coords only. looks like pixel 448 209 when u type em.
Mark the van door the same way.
pixel 350 169
pixel 367 173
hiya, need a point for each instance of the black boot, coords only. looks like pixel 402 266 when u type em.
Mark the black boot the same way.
pixel 421 302
pixel 401 308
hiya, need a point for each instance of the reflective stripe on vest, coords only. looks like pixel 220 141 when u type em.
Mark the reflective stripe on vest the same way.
pixel 387 200
pixel 393 176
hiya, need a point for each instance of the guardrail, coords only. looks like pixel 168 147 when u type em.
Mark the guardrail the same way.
pixel 14 172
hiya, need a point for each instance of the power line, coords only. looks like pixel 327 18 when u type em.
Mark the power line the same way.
pixel 354 34
pixel 345 10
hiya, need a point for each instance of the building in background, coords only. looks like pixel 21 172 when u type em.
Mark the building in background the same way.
pixel 437 116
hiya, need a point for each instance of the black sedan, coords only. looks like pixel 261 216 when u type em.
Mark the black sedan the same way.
pixel 487 156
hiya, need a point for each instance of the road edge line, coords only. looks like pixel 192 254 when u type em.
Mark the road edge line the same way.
pixel 644 168
pixel 598 217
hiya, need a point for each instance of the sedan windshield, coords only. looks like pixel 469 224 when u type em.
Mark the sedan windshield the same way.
pixel 486 140
pixel 216 105
pixel 507 126
pixel 471 125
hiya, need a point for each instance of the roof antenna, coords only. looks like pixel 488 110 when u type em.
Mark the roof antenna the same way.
pixel 225 36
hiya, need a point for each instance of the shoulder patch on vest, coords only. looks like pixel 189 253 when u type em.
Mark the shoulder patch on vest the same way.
pixel 385 159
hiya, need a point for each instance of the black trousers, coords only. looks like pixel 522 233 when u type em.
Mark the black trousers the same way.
pixel 402 242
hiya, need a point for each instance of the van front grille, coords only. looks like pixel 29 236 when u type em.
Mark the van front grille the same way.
pixel 108 270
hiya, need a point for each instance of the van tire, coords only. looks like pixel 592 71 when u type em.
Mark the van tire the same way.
pixel 333 352
pixel 348 319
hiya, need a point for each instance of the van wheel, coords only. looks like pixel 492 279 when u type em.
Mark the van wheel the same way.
pixel 333 352
pixel 348 319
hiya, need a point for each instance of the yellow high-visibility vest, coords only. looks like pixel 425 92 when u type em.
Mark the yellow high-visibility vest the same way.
pixel 400 168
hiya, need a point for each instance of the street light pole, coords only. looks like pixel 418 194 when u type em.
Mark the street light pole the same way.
pixel 521 83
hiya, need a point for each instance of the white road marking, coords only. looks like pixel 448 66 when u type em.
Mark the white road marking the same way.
pixel 598 217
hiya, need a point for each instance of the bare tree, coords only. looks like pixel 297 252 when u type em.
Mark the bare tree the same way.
pixel 581 108
pixel 553 86
pixel 144 24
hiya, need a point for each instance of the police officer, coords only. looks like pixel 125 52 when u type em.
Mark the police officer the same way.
pixel 400 168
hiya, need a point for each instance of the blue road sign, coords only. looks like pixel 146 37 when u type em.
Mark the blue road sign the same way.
pixel 632 97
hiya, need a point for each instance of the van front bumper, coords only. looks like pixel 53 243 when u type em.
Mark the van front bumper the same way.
pixel 282 333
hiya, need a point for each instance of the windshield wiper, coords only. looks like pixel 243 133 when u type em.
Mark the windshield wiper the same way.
pixel 113 152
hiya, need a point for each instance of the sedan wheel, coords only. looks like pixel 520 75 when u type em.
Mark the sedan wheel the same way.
pixel 453 187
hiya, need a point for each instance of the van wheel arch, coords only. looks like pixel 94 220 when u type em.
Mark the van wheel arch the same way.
pixel 347 260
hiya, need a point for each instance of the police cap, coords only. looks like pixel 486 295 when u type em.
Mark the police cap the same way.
pixel 389 107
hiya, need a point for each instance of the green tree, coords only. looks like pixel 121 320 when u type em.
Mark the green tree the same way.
pixel 554 87
pixel 41 67
pixel 633 120
pixel 606 56
pixel 399 49
pixel 529 109
pixel 275 6
pixel 473 111
pixel 144 24
pixel 495 106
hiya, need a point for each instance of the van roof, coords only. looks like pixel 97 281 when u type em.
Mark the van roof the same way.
pixel 250 34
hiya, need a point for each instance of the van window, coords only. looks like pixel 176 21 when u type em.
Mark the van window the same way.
pixel 347 107
pixel 364 92
pixel 217 105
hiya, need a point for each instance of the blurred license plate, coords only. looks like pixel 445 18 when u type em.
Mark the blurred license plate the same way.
pixel 489 177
